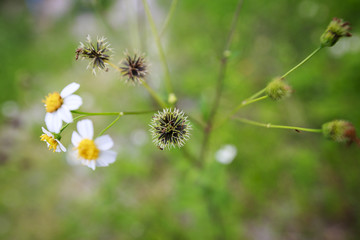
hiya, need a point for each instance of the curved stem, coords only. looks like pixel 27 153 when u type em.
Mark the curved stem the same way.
pixel 302 62
pixel 111 124
pixel 255 95
pixel 220 83
pixel 112 113
pixel 269 125
pixel 147 87
pixel 241 105
pixel 169 16
pixel 159 46
pixel 66 125
pixel 161 103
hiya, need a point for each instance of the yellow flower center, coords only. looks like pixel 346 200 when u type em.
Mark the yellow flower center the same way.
pixel 88 150
pixel 53 102
pixel 50 140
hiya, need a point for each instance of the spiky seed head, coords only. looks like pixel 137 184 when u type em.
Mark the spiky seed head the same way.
pixel 278 89
pixel 335 30
pixel 170 128
pixel 98 53
pixel 134 68
pixel 340 131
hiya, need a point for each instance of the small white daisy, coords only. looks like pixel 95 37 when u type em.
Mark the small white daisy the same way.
pixel 51 141
pixel 59 106
pixel 92 153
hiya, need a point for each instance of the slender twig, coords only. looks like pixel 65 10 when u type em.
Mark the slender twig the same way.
pixel 111 124
pixel 302 62
pixel 147 87
pixel 269 125
pixel 220 82
pixel 66 125
pixel 159 46
pixel 112 113
pixel 241 105
pixel 169 16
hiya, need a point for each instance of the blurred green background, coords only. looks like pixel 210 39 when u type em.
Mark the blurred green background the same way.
pixel 281 184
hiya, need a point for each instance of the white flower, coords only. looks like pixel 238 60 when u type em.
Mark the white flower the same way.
pixel 51 141
pixel 92 153
pixel 226 154
pixel 59 106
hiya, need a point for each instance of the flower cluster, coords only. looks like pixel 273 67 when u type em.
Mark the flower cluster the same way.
pixel 89 152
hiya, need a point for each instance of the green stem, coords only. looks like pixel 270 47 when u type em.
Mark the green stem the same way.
pixel 110 125
pixel 302 62
pixel 147 87
pixel 169 16
pixel 112 113
pixel 255 95
pixel 241 105
pixel 161 103
pixel 269 125
pixel 66 125
pixel 159 46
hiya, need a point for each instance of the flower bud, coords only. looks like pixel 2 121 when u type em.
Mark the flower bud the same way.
pixel 336 29
pixel 340 131
pixel 278 89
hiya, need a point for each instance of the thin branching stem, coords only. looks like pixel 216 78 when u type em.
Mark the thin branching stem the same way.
pixel 159 47
pixel 169 16
pixel 269 125
pixel 111 124
pixel 241 105
pixel 153 94
pixel 220 82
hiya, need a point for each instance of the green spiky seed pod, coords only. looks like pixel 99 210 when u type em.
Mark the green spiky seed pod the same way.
pixel 170 128
pixel 277 89
pixel 336 29
pixel 98 55
pixel 340 131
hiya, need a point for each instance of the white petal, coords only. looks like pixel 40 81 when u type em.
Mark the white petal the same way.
pixel 85 128
pixel 47 132
pixel 92 164
pixel 75 139
pixel 65 114
pixel 53 122
pixel 73 102
pixel 101 163
pixel 104 142
pixel 69 89
pixel 107 157
pixel 60 146
pixel 84 162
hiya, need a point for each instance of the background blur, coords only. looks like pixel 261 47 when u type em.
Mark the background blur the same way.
pixel 281 184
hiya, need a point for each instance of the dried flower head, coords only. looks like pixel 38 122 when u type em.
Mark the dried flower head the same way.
pixel 134 69
pixel 170 128
pixel 278 89
pixel 336 29
pixel 98 55
pixel 340 131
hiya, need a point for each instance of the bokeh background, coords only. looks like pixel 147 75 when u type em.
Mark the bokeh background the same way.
pixel 280 185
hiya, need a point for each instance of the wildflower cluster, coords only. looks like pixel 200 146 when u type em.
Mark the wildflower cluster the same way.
pixel 170 128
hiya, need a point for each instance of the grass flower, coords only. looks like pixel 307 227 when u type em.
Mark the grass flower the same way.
pixel 278 89
pixel 170 128
pixel 98 54
pixel 340 131
pixel 59 105
pixel 53 142
pixel 134 69
pixel 92 153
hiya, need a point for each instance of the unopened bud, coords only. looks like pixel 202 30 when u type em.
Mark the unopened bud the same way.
pixel 336 29
pixel 278 89
pixel 172 99
pixel 340 131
